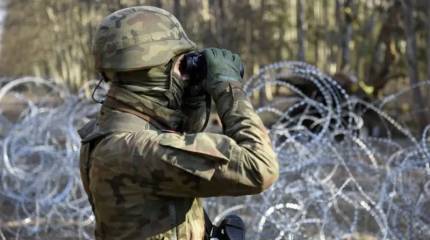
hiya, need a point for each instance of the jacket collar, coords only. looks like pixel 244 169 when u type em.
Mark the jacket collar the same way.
pixel 109 121
pixel 160 115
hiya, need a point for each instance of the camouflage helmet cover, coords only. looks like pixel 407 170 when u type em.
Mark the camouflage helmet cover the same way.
pixel 138 37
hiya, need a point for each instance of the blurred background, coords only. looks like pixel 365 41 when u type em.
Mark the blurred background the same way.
pixel 371 47
pixel 369 41
pixel 352 140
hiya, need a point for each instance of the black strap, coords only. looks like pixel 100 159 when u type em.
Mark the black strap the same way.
pixel 231 227
pixel 102 79
pixel 208 226
pixel 208 112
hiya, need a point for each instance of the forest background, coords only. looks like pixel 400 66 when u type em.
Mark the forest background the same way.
pixel 373 48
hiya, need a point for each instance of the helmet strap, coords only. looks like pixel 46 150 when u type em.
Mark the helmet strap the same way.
pixel 95 89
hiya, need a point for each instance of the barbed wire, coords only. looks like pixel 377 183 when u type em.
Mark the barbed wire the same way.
pixel 335 182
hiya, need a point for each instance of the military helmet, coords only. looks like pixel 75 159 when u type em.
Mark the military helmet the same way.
pixel 138 37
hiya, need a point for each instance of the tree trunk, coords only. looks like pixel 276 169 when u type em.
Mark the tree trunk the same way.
pixel 262 45
pixel 346 31
pixel 221 21
pixel 158 3
pixel 325 48
pixel 300 30
pixel 411 57
pixel 428 40
pixel 177 9
pixel 337 41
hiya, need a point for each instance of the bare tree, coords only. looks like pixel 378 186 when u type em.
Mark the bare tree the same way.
pixel 346 30
pixel 383 57
pixel 157 3
pixel 428 39
pixel 300 16
pixel 411 58
pixel 55 42
pixel 177 9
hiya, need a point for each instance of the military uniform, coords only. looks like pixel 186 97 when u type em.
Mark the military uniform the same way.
pixel 144 175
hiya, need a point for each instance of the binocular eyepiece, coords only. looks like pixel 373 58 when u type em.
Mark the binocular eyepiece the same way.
pixel 194 64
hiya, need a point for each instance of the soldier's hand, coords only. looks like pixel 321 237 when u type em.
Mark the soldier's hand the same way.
pixel 222 67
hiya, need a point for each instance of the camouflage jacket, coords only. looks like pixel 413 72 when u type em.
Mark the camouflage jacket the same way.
pixel 145 182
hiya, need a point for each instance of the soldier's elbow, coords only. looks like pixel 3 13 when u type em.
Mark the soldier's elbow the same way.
pixel 268 178
pixel 270 171
pixel 264 172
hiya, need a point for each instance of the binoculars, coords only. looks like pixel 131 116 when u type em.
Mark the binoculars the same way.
pixel 194 64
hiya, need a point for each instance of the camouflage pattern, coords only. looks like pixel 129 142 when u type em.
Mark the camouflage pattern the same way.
pixel 142 173
pixel 138 37
pixel 145 180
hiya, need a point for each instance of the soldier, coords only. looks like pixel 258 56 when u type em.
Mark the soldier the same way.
pixel 144 162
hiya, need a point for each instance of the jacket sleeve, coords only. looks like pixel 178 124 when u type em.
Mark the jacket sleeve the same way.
pixel 206 164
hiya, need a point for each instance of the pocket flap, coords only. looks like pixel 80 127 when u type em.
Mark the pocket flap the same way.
pixel 198 154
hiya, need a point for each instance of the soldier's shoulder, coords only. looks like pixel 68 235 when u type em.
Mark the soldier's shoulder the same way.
pixel 135 138
pixel 91 131
pixel 125 143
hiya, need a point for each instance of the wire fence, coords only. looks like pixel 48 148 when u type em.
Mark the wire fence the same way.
pixel 334 183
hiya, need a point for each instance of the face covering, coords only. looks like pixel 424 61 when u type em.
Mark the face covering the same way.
pixel 159 93
pixel 157 84
pixel 150 92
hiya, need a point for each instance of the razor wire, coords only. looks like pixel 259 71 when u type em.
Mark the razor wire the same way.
pixel 334 183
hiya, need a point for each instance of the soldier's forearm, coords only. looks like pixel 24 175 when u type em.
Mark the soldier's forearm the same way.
pixel 238 117
pixel 242 124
